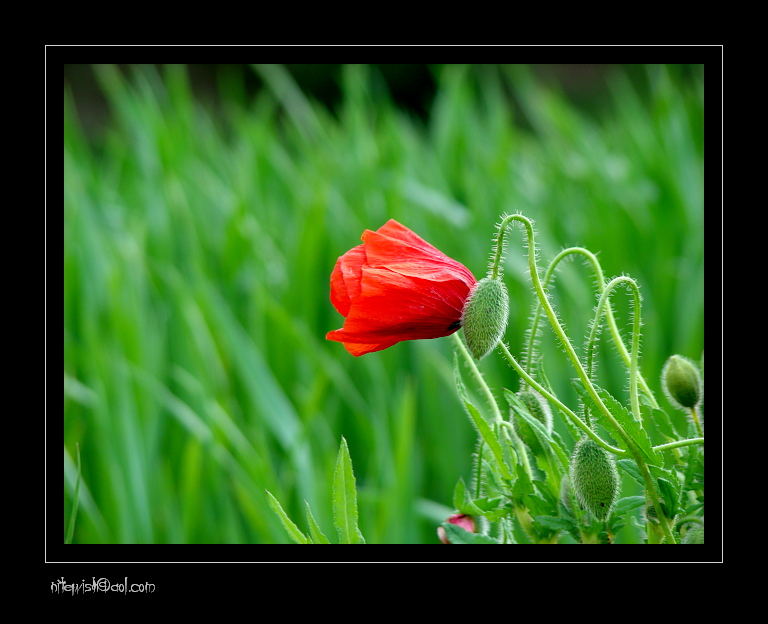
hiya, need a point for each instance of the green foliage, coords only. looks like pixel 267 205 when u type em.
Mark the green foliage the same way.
pixel 198 244
pixel 485 315
pixel 694 535
pixel 345 499
pixel 289 525
pixel 458 535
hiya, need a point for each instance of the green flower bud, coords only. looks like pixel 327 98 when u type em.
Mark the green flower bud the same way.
pixel 681 381
pixel 594 478
pixel 485 316
pixel 537 407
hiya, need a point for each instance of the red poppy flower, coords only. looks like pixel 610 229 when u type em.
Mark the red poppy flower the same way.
pixel 396 286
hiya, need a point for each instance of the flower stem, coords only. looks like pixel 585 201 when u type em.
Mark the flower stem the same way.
pixel 478 377
pixel 672 445
pixel 609 316
pixel 571 353
pixel 591 340
pixel 696 422
pixel 559 404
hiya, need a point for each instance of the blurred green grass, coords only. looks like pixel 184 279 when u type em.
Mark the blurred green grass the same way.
pixel 198 250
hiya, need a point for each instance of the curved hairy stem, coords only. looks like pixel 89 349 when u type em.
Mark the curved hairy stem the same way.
pixel 478 377
pixel 678 443
pixel 609 316
pixel 571 353
pixel 557 403
pixel 591 341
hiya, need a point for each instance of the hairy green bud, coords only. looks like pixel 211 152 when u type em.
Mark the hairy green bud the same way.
pixel 681 381
pixel 537 407
pixel 594 478
pixel 485 314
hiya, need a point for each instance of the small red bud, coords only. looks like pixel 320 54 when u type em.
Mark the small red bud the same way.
pixel 463 520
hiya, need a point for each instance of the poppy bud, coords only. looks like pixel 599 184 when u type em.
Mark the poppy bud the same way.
pixel 594 478
pixel 681 381
pixel 539 409
pixel 463 520
pixel 485 316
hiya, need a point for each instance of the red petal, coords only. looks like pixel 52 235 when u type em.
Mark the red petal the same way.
pixel 345 279
pixel 394 307
pixel 398 231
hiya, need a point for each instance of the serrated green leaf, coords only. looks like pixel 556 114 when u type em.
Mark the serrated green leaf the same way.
pixel 459 493
pixel 458 535
pixel 345 499
pixel 318 537
pixel 481 424
pixel 290 527
pixel 670 496
pixel 622 415
pixel 553 523
pixel 657 420
pixel 627 504
pixel 522 486
pixel 630 467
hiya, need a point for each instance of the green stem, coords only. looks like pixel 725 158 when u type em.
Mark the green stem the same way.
pixel 671 445
pixel 518 445
pixel 592 339
pixel 609 316
pixel 555 401
pixel 478 377
pixel 479 468
pixel 571 353
pixel 696 421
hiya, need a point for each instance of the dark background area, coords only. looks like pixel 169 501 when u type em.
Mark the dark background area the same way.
pixel 410 86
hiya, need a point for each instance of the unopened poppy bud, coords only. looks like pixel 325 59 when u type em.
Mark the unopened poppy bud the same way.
pixel 463 520
pixel 594 478
pixel 485 316
pixel 681 381
pixel 539 409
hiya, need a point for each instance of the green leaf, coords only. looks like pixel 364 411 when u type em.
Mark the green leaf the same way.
pixel 345 499
pixel 293 531
pixel 318 537
pixel 458 535
pixel 630 467
pixel 670 496
pixel 546 439
pixel 553 523
pixel 622 415
pixel 657 420
pixel 481 424
pixel 627 504
pixel 462 501
pixel 459 494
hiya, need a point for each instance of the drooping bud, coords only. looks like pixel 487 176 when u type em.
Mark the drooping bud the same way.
pixel 465 521
pixel 681 381
pixel 594 478
pixel 485 314
pixel 537 407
